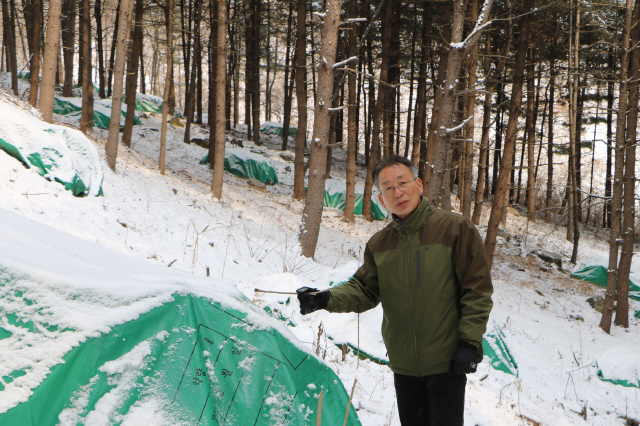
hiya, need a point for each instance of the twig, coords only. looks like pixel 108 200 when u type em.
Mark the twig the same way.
pixel 350 399
pixel 319 418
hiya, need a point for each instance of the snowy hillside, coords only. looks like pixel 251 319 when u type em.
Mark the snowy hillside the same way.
pixel 249 240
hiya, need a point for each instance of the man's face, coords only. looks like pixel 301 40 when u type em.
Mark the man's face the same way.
pixel 400 202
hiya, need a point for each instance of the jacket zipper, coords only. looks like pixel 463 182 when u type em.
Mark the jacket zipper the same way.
pixel 418 271
pixel 413 327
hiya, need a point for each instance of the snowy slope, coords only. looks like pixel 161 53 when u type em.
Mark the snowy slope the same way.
pixel 249 238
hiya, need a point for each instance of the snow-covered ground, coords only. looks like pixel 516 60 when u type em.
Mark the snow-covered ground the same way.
pixel 248 240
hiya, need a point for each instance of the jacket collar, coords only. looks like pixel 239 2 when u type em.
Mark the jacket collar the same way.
pixel 415 220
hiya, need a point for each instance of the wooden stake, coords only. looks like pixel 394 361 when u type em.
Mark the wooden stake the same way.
pixel 350 399
pixel 319 417
pixel 257 290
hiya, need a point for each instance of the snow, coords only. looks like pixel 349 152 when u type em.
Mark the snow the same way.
pixel 97 262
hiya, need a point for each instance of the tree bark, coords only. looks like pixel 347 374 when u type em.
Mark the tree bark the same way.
pixel 112 55
pixel 111 147
pixel 312 214
pixel 36 10
pixel 629 179
pixel 86 119
pixel 498 204
pixel 10 44
pixel 221 93
pixel 132 72
pixel 437 190
pixel 421 95
pixel 352 108
pixel 50 61
pixel 100 51
pixel 301 97
pixel 552 92
pixel 286 121
pixel 68 44
pixel 255 69
pixel 191 82
pixel 531 141
pixel 166 99
pixel 464 190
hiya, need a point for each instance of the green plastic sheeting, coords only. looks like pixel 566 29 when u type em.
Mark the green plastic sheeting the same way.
pixel 147 103
pixel 276 129
pixel 637 314
pixel 47 161
pixel 100 119
pixel 597 274
pixel 245 165
pixel 335 196
pixel 633 383
pixel 496 349
pixel 206 365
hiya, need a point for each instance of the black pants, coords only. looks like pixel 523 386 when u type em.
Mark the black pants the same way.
pixel 436 400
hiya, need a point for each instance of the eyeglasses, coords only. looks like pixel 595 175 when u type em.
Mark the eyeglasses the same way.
pixel 402 186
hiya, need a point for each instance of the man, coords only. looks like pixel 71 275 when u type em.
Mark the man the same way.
pixel 429 270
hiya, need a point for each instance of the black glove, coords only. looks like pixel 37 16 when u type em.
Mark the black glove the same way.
pixel 311 299
pixel 464 359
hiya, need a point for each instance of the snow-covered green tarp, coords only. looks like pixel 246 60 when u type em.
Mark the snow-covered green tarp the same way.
pixel 335 196
pixel 271 128
pixel 495 348
pixel 55 152
pixel 147 103
pixel 595 270
pixel 248 165
pixel 72 107
pixel 92 336
pixel 620 366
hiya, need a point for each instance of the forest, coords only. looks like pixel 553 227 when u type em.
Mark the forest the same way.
pixel 500 103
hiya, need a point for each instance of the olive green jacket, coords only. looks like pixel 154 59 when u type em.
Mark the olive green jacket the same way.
pixel 432 276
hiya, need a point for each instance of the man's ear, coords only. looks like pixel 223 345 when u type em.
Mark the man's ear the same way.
pixel 381 200
pixel 419 182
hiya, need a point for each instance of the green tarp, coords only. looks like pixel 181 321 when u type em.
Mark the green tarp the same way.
pixel 204 362
pixel 101 119
pixel 495 348
pixel 247 165
pixel 594 271
pixel 55 152
pixel 276 129
pixel 146 103
pixel 335 196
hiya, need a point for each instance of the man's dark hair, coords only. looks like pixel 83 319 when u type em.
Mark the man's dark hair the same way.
pixel 390 161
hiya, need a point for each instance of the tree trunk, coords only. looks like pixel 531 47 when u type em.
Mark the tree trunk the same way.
pixel 629 180
pixel 498 204
pixel 221 93
pixel 352 108
pixel 421 96
pixel 132 72
pixel 255 69
pixel 111 147
pixel 112 56
pixel 616 202
pixel 168 85
pixel 10 44
pixel 464 190
pixel 301 97
pixel 36 7
pixel 287 88
pixel 574 159
pixel 100 51
pixel 377 113
pixel 552 91
pixel 86 119
pixel 213 87
pixel 312 214
pixel 411 78
pixel 50 64
pixel 437 190
pixel 531 141
pixel 191 82
pixel 606 219
pixel 68 44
